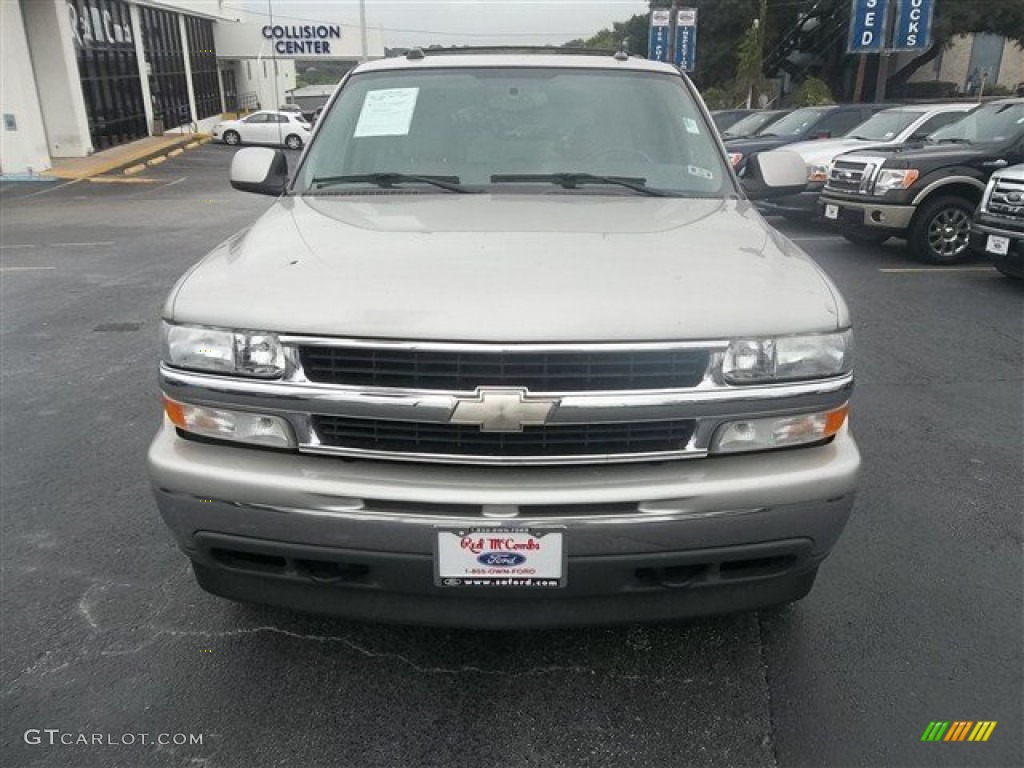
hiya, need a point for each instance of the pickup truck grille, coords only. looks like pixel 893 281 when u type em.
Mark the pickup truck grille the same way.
pixel 548 442
pixel 850 176
pixel 464 371
pixel 1007 199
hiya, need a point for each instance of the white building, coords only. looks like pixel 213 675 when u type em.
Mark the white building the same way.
pixel 80 76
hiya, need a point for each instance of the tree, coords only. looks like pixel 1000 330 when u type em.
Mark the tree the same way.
pixel 815 43
pixel 632 33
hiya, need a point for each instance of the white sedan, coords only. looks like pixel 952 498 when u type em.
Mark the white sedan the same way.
pixel 276 128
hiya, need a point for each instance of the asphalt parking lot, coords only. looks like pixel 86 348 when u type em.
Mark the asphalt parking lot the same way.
pixel 916 617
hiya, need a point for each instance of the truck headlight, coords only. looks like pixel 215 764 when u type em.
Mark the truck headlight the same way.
pixel 225 424
pixel 788 358
pixel 889 179
pixel 217 350
pixel 778 432
pixel 818 172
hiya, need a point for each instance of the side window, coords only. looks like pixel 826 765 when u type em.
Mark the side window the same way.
pixel 259 117
pixel 838 123
pixel 277 119
pixel 935 122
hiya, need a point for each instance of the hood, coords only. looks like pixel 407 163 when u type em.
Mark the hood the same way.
pixel 823 150
pixel 757 144
pixel 508 268
pixel 931 155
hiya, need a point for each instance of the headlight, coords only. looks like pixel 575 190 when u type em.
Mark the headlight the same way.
pixel 788 358
pixel 818 172
pixel 895 180
pixel 777 432
pixel 215 350
pixel 735 158
pixel 224 424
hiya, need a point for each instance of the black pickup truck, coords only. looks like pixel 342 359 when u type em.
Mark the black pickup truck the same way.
pixel 925 193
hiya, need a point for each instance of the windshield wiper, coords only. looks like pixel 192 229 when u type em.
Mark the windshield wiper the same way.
pixel 389 180
pixel 573 180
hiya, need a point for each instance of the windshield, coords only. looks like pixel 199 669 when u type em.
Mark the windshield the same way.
pixel 795 123
pixel 751 124
pixel 886 125
pixel 993 122
pixel 468 125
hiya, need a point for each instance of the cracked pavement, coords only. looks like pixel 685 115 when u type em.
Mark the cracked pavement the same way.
pixel 917 615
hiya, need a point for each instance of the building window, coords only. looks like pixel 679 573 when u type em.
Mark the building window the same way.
pixel 203 60
pixel 109 71
pixel 166 57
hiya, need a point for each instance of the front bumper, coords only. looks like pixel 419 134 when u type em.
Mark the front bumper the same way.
pixel 1010 263
pixel 867 214
pixel 644 541
pixel 803 204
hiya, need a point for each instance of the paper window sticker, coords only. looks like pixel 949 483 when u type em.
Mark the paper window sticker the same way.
pixel 387 112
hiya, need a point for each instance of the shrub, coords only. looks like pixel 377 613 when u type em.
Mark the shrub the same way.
pixel 811 93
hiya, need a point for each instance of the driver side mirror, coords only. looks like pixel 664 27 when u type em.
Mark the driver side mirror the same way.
pixel 778 173
pixel 260 170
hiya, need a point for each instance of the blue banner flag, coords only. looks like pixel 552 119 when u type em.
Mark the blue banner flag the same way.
pixel 867 26
pixel 685 53
pixel 657 43
pixel 913 25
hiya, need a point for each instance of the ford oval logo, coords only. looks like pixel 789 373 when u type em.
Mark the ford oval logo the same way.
pixel 501 559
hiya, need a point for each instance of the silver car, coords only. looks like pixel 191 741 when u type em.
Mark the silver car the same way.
pixel 512 348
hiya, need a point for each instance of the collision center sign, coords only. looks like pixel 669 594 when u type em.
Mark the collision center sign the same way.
pixel 302 39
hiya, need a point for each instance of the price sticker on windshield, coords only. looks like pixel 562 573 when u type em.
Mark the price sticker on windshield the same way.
pixel 387 112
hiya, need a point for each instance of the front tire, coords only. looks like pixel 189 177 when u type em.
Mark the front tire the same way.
pixel 941 231
pixel 232 139
pixel 293 142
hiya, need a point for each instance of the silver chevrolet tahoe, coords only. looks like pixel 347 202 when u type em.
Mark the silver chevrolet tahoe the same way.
pixel 511 348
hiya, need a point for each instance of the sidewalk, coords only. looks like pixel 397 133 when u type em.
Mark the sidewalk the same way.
pixel 124 156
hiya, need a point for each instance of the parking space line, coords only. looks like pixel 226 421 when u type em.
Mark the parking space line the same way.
pixel 24 269
pixel 81 245
pixel 25 245
pixel 932 270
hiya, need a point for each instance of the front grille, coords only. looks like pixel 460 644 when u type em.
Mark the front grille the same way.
pixel 464 371
pixel 553 440
pixel 1007 199
pixel 849 176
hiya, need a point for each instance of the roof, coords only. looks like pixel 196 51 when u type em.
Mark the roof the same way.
pixel 538 60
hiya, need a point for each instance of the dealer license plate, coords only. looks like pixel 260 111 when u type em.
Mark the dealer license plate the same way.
pixel 832 212
pixel 998 245
pixel 500 557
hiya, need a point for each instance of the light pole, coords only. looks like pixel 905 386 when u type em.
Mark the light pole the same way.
pixel 362 28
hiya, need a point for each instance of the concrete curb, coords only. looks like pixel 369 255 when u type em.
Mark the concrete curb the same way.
pixel 132 165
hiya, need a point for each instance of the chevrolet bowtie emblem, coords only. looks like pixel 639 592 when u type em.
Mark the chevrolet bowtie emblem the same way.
pixel 495 409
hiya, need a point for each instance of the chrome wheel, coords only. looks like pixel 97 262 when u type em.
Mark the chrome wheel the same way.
pixel 293 142
pixel 949 232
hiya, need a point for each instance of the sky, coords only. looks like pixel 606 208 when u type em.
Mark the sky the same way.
pixel 459 22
